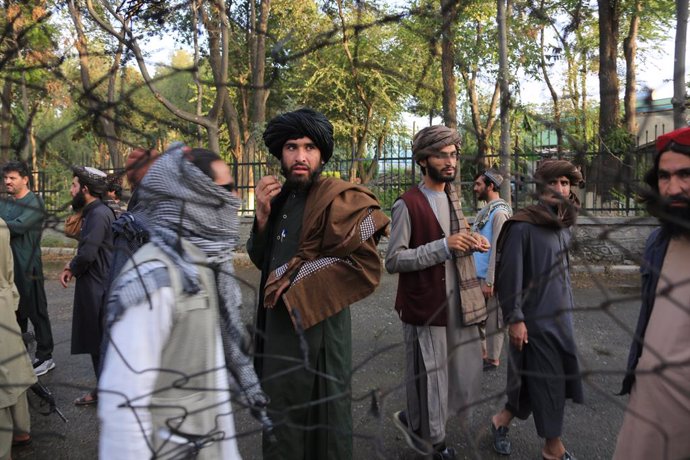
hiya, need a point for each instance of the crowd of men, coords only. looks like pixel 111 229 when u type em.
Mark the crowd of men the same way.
pixel 156 301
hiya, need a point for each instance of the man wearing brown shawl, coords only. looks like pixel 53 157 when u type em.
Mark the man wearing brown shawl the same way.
pixel 535 295
pixel 439 298
pixel 314 240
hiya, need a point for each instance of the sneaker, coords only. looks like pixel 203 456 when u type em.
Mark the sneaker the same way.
pixel 42 366
pixel 448 453
pixel 501 442
pixel 415 442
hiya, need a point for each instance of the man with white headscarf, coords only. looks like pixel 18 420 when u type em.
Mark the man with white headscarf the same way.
pixel 174 325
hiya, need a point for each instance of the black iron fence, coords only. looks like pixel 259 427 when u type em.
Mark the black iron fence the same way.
pixel 612 182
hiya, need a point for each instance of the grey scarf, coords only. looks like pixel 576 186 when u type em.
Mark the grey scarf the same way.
pixel 180 201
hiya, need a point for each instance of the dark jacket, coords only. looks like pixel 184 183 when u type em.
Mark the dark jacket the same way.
pixel 650 269
pixel 91 267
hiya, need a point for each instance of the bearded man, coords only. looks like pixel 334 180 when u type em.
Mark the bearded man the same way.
pixel 536 298
pixel 439 299
pixel 655 423
pixel 314 240
pixel 24 215
pixel 90 266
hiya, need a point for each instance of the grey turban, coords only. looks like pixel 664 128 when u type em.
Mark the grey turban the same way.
pixel 295 125
pixel 432 139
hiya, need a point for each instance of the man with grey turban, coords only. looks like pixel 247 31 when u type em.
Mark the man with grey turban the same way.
pixel 174 328
pixel 314 240
pixel 534 292
pixel 90 266
pixel 439 298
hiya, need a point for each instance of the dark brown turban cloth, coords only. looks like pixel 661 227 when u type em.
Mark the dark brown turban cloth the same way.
pixel 295 125
pixel 89 177
pixel 549 170
pixel 432 139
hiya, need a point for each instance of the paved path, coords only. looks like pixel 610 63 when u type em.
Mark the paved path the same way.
pixel 590 429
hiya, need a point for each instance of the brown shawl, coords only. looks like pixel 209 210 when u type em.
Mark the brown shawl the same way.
pixel 562 216
pixel 337 262
pixel 472 300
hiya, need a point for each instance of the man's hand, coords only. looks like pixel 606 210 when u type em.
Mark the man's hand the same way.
pixel 464 242
pixel 267 189
pixel 518 334
pixel 66 276
pixel 487 290
pixel 483 244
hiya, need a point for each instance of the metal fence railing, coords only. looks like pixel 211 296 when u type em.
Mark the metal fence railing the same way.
pixel 612 182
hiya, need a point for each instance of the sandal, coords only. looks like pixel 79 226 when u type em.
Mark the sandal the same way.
pixel 88 399
pixel 18 441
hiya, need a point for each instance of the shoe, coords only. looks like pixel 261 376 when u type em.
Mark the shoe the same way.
pixel 566 456
pixel 489 366
pixel 21 442
pixel 88 399
pixel 42 366
pixel 441 452
pixel 421 446
pixel 501 442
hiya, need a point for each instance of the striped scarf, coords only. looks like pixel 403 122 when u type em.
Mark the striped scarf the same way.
pixel 180 201
pixel 472 300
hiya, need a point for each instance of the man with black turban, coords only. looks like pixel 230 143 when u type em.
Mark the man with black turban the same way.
pixel 439 299
pixel 535 295
pixel 314 240
pixel 655 423
pixel 90 266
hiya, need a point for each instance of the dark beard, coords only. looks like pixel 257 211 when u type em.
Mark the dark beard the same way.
pixel 299 184
pixel 436 176
pixel 78 201
pixel 674 220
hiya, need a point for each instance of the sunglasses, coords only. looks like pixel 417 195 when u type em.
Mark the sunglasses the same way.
pixel 229 187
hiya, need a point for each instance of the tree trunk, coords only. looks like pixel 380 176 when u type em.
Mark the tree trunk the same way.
pixel 503 77
pixel 554 97
pixel 609 14
pixel 6 121
pixel 97 107
pixel 449 12
pixel 679 118
pixel 629 51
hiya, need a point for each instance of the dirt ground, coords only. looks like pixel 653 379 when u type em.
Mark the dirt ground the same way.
pixel 607 307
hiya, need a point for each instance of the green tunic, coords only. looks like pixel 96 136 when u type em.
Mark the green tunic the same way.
pixel 24 218
pixel 307 377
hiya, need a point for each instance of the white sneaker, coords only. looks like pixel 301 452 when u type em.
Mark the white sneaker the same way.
pixel 43 366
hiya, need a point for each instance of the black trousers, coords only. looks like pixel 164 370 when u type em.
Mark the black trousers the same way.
pixel 33 306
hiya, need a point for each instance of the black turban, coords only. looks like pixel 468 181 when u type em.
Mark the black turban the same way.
pixel 549 170
pixel 431 139
pixel 295 125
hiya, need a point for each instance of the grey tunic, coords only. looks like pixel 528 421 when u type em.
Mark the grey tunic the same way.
pixel 533 285
pixel 452 370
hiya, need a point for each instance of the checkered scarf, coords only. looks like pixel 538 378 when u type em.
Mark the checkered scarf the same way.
pixel 471 298
pixel 180 201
